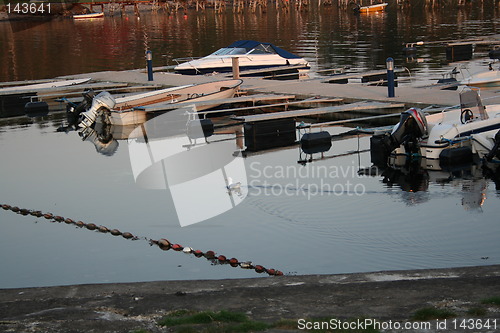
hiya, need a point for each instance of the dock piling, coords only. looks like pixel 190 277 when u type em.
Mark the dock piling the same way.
pixel 236 68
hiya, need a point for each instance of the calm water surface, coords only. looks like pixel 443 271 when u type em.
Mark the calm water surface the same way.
pixel 349 223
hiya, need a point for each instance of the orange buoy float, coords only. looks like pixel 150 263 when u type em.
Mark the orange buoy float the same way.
pixel 233 262
pixel 59 218
pixel 222 258
pixel 177 247
pixel 80 224
pixel 259 268
pixel 69 221
pixel 210 255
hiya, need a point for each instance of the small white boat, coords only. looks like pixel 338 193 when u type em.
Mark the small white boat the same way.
pixel 449 137
pixel 251 54
pixel 39 86
pixel 131 109
pixel 491 77
pixel 88 16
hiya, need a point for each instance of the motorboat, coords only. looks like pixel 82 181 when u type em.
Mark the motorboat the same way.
pixel 490 77
pixel 88 16
pixel 451 136
pixel 251 54
pixel 130 109
pixel 357 8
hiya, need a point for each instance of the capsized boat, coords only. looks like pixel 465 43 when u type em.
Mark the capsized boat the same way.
pixel 251 55
pixel 129 109
pixel 449 137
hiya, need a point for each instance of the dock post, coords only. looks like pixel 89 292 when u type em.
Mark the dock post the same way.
pixel 390 76
pixel 236 68
pixel 149 61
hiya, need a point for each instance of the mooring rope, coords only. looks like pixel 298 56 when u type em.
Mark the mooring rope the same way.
pixel 162 243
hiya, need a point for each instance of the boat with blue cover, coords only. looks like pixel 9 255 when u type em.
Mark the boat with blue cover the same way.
pixel 252 55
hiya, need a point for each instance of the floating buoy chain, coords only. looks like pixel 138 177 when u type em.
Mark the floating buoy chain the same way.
pixel 163 243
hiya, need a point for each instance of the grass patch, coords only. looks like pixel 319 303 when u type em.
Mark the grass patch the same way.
pixel 207 321
pixel 185 321
pixel 432 313
pixel 477 311
pixel 495 300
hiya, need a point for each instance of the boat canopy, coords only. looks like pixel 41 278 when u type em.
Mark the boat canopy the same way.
pixel 253 47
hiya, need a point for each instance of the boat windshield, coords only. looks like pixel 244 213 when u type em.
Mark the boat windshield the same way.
pixel 230 51
pixel 259 49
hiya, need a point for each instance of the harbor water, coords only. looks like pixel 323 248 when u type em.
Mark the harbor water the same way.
pixel 332 215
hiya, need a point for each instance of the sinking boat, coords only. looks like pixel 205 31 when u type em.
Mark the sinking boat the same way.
pixel 131 109
pixel 453 136
pixel 88 16
pixel 252 55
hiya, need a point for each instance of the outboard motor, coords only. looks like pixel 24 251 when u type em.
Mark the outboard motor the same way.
pixel 493 152
pixel 411 128
pixel 102 100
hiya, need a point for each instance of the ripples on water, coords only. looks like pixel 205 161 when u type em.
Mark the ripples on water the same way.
pixel 397 222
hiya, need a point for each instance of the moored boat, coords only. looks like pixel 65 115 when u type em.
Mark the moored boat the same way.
pixel 357 8
pixel 252 55
pixel 448 137
pixel 490 77
pixel 88 16
pixel 131 109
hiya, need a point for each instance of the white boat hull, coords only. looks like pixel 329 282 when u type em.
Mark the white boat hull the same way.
pixel 127 109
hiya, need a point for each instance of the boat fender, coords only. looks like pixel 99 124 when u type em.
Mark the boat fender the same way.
pixel 493 152
pixel 495 53
pixel 318 142
pixel 460 155
pixel 36 109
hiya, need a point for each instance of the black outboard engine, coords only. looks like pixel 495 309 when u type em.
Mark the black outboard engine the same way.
pixel 411 128
pixel 493 152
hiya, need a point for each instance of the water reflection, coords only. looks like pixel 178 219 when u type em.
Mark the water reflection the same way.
pixel 327 37
pixel 417 183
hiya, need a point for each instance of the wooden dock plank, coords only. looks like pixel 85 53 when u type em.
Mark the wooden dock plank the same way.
pixel 77 87
pixel 318 111
pixel 243 99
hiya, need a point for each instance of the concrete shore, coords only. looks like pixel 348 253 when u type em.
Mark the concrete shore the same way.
pixel 127 307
